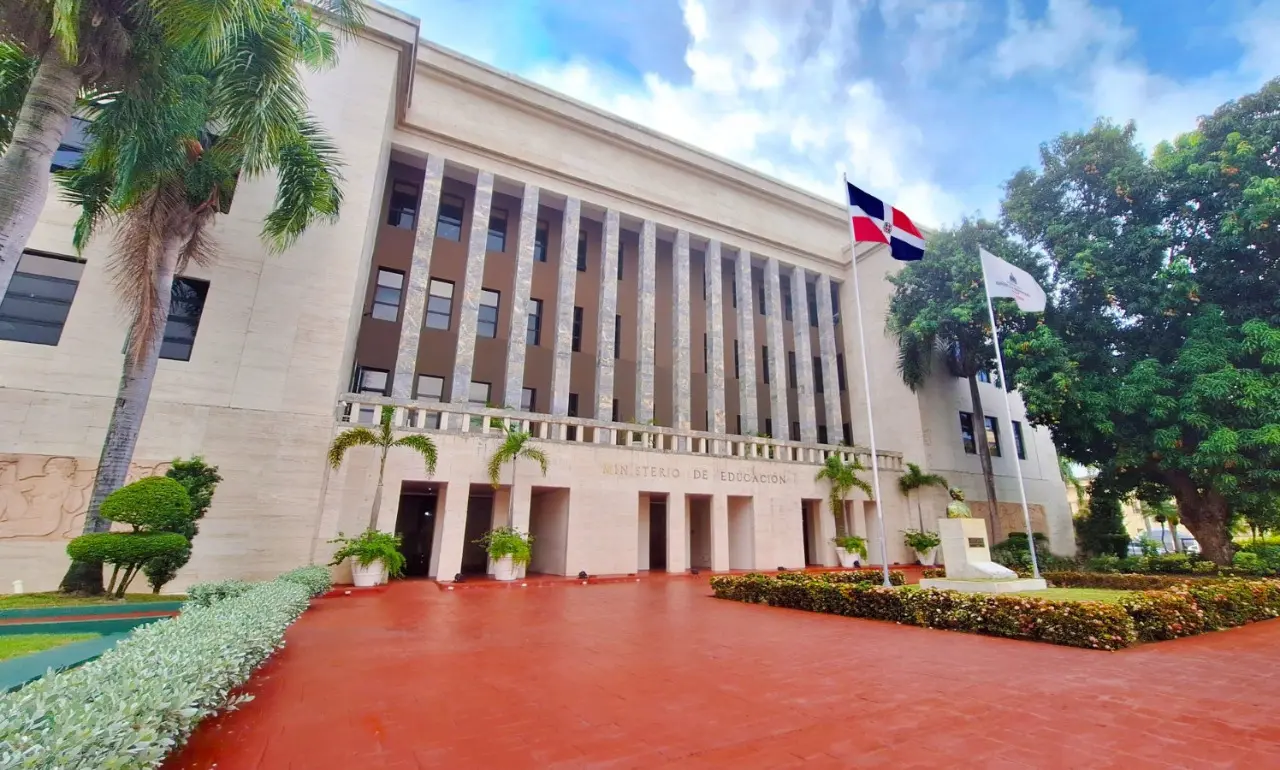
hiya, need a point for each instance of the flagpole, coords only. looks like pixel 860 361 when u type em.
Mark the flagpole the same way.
pixel 1008 409
pixel 866 386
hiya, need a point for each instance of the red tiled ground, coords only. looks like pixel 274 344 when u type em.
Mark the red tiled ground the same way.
pixel 658 674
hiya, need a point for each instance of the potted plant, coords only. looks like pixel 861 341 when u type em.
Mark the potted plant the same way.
pixel 517 445
pixel 375 556
pixel 383 439
pixel 510 549
pixel 924 543
pixel 843 477
pixel 849 548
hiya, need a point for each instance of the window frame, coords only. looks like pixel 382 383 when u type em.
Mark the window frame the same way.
pixel 968 436
pixel 792 374
pixel 202 287
pixel 531 404
pixel 993 432
pixel 16 300
pixel 500 234
pixel 533 326
pixel 617 336
pixel 541 240
pixel 481 307
pixel 399 213
pixel 446 222
pixel 575 339
pixel 429 314
pixel 378 285
pixel 764 363
pixel 488 393
pixel 582 251
pixel 1019 442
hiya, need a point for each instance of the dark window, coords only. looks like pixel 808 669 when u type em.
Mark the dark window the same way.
pixel 768 427
pixel 1017 440
pixel 573 405
pixel 817 374
pixel 71 148
pixel 795 431
pixel 186 306
pixel 617 336
pixel 577 330
pixel 835 303
pixel 373 382
pixel 966 433
pixel 439 304
pixel 386 295
pixel 984 376
pixel 478 393
pixel 533 336
pixel 613 411
pixel 540 241
pixel 706 355
pixel 35 307
pixel 449 220
pixel 487 317
pixel 403 209
pixel 497 230
pixel 840 371
pixel 737 374
pixel 738 421
pixel 822 434
pixel 784 282
pixel 764 363
pixel 582 251
pixel 528 400
pixel 848 433
pixel 791 368
pixel 811 295
pixel 993 436
pixel 621 252
pixel 430 388
pixel 733 288
pixel 760 299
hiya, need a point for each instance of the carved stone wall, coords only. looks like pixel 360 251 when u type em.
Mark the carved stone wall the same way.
pixel 45 497
pixel 1009 517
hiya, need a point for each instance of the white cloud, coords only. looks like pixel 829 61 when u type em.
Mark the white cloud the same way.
pixel 1070 30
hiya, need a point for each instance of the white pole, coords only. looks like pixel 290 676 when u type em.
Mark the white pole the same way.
pixel 1008 410
pixel 866 386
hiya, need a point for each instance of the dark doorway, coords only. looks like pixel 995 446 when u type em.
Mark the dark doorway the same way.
pixel 416 525
pixel 475 561
pixel 657 533
pixel 806 524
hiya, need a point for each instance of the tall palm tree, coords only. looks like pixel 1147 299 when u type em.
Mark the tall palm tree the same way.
pixel 384 438
pixel 516 446
pixel 164 159
pixel 915 479
pixel 842 477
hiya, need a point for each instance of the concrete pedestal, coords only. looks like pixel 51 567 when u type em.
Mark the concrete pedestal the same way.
pixel 965 552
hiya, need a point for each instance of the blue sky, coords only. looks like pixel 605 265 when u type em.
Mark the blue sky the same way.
pixel 931 104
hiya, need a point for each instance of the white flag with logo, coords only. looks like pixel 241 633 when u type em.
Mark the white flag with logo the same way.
pixel 1005 280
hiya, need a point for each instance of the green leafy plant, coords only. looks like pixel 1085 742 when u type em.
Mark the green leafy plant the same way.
pixel 507 541
pixel 920 541
pixel 842 477
pixel 852 544
pixel 911 482
pixel 313 577
pixel 204 594
pixel 383 439
pixel 516 445
pixel 1014 553
pixel 875 576
pixel 370 546
pixel 200 480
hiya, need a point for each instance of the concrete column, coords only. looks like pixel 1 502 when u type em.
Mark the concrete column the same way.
pixel 644 341
pixel 715 340
pixel 777 350
pixel 746 343
pixel 826 531
pixel 415 295
pixel 830 377
pixel 677 532
pixel 804 357
pixel 608 309
pixel 567 280
pixel 520 298
pixel 681 379
pixel 719 533
pixel 477 244
pixel 452 529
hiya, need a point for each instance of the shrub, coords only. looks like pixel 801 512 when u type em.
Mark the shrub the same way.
pixel 1167 614
pixel 370 546
pixel 1170 563
pixel 126 552
pixel 934 572
pixel 866 575
pixel 1104 563
pixel 204 594
pixel 920 540
pixel 314 578
pixel 155 504
pixel 1230 603
pixel 508 541
pixel 852 544
pixel 1014 553
pixel 200 480
pixel 1248 562
pixel 1204 567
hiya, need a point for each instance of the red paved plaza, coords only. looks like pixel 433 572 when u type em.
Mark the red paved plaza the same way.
pixel 658 674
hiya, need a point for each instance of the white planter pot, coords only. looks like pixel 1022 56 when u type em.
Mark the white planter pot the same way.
pixel 847 558
pixel 504 569
pixel 926 557
pixel 368 576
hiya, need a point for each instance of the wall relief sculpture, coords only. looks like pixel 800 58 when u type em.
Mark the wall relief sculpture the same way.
pixel 45 497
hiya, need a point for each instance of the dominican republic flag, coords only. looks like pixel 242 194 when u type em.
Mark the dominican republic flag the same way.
pixel 870 225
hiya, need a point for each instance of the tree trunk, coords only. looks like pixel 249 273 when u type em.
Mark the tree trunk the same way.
pixel 984 456
pixel 919 510
pixel 24 168
pixel 1173 533
pixel 377 493
pixel 126 421
pixel 1206 516
pixel 837 511
pixel 511 497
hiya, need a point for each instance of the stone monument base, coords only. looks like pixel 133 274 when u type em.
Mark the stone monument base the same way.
pixel 986 586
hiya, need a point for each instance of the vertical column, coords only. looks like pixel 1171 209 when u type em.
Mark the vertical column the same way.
pixel 826 533
pixel 644 340
pixel 477 244
pixel 715 340
pixel 681 380
pixel 520 297
pixel 567 281
pixel 452 530
pixel 719 533
pixel 415 295
pixel 804 357
pixel 746 343
pixel 777 349
pixel 608 309
pixel 677 532
pixel 830 377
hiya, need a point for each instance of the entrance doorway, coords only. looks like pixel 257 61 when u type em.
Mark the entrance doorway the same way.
pixel 700 532
pixel 475 560
pixel 812 538
pixel 416 525
pixel 657 532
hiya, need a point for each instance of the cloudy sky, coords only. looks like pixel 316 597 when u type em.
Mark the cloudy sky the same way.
pixel 931 104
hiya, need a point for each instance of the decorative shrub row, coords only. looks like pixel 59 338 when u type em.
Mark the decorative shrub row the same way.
pixel 872 576
pixel 1092 625
pixel 1128 582
pixel 1195 607
pixel 129 708
pixel 933 572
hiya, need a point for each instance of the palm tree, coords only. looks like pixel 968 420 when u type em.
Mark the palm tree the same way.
pixel 384 438
pixel 1068 474
pixel 516 446
pixel 842 477
pixel 916 479
pixel 164 159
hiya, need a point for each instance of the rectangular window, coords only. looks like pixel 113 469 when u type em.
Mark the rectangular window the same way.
pixel 620 255
pixel 186 305
pixel 533 336
pixel 528 400
pixel 373 382
pixel 402 212
pixel 497 230
pixel 35 307
pixel 577 330
pixel 791 368
pixel 822 434
pixel 478 393
pixel 617 336
pixel 817 374
pixel 386 295
pixel 706 355
pixel 738 422
pixel 1017 440
pixel 487 318
pixel 795 431
pixel 72 145
pixel 540 241
pixel 582 251
pixel 785 283
pixel 768 427
pixel 966 433
pixel 848 434
pixel 811 295
pixel 733 288
pixel 993 436
pixel 430 388
pixel 840 371
pixel 737 374
pixel 764 363
pixel 835 302
pixel 449 220
pixel 613 411
pixel 760 303
pixel 439 304
pixel 573 405
pixel 984 376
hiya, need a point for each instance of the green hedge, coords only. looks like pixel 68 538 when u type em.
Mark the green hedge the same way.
pixel 1128 581
pixel 129 708
pixel 874 576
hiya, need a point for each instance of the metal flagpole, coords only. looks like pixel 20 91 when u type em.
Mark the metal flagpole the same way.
pixel 1008 410
pixel 866 385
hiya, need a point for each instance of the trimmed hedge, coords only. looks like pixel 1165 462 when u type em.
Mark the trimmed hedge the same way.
pixel 1125 581
pixel 933 572
pixel 873 576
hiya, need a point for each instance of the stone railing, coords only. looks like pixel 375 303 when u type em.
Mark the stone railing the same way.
pixel 468 419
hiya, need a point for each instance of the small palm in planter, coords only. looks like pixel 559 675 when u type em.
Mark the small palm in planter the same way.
pixel 375 556
pixel 509 548
pixel 518 445
pixel 852 545
pixel 384 438
pixel 923 542
pixel 843 477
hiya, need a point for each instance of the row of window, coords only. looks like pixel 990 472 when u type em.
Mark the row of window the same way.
pixel 993 436
pixel 35 307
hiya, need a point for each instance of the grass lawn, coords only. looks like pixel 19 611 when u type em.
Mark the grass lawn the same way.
pixel 1078 594
pixel 25 644
pixel 54 599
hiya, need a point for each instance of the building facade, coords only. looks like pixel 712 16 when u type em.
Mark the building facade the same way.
pixel 677 332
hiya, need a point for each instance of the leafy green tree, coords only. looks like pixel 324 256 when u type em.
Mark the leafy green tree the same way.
pixel 1159 357
pixel 200 480
pixel 516 445
pixel 1068 474
pixel 383 439
pixel 914 480
pixel 939 311
pixel 1100 527
pixel 842 478
pixel 164 160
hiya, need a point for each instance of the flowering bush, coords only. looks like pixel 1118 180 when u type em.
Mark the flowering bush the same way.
pixel 896 577
pixel 1230 603
pixel 934 572
pixel 1161 615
